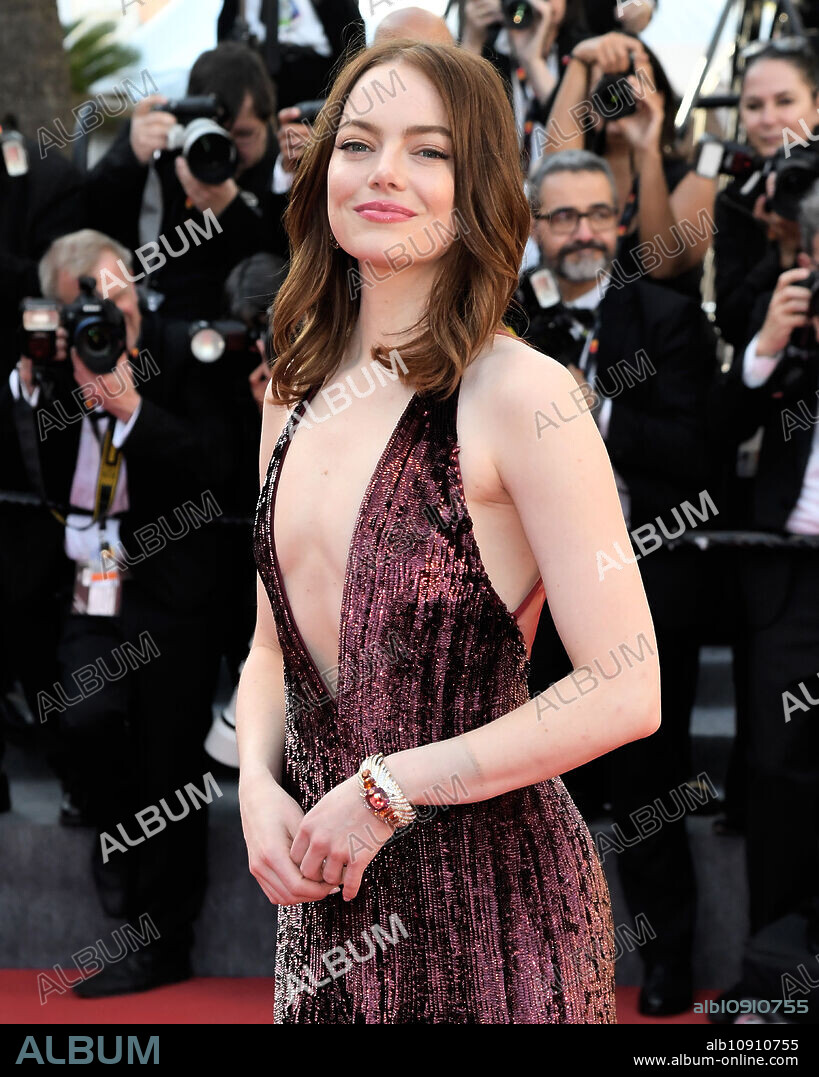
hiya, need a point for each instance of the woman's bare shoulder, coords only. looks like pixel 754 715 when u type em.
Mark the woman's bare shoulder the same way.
pixel 509 375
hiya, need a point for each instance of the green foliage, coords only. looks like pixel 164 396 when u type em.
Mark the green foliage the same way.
pixel 94 53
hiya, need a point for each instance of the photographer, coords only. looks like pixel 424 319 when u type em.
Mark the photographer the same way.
pixel 752 244
pixel 247 213
pixel 774 385
pixel 656 188
pixel 645 358
pixel 120 435
pixel 41 198
pixel 530 58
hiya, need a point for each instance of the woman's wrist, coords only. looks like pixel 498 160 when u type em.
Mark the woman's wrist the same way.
pixel 257 774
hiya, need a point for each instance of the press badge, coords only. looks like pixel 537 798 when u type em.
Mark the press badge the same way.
pixel 15 157
pixel 545 288
pixel 98 585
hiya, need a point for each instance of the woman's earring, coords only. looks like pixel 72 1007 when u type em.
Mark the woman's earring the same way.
pixel 333 241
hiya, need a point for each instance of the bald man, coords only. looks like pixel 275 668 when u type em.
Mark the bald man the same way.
pixel 415 23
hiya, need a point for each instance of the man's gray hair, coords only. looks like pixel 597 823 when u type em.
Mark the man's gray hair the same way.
pixel 565 161
pixel 77 253
pixel 809 218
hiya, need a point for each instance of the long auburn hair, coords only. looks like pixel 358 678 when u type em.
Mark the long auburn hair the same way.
pixel 313 313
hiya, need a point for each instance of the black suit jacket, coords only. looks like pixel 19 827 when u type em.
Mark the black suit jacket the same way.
pixel 335 17
pixel 174 455
pixel 657 435
pixel 786 408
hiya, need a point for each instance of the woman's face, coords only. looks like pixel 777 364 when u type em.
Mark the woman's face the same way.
pixel 382 154
pixel 775 96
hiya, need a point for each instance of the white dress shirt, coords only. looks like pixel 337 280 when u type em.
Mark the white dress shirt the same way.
pixel 82 543
pixel 804 517
pixel 298 24
pixel 591 300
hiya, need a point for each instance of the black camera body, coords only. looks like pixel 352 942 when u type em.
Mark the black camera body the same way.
pixel 615 95
pixel 95 327
pixel 235 340
pixel 309 110
pixel 812 284
pixel 795 173
pixel 207 147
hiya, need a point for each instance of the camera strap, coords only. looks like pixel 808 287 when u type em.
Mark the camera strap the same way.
pixel 109 471
pixel 30 452
pixel 107 476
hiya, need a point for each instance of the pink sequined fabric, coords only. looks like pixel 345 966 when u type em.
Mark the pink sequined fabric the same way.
pixel 495 912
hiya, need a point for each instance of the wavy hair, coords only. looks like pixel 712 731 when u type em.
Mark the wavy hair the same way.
pixel 314 314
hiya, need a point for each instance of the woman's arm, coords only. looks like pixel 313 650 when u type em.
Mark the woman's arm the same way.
pixel 661 212
pixel 562 129
pixel 564 490
pixel 270 817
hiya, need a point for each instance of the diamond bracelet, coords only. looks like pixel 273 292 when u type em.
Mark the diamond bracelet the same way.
pixel 382 794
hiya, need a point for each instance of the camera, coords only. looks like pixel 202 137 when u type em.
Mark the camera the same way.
pixel 795 174
pixel 518 14
pixel 309 110
pixel 95 327
pixel 615 95
pixel 210 341
pixel 209 150
pixel 812 284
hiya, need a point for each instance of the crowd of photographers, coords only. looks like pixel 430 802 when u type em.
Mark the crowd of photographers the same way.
pixel 135 356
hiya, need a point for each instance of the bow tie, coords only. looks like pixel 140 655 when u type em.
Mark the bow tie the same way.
pixel 582 315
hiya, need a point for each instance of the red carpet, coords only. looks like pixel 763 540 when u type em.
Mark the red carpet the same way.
pixel 207 1001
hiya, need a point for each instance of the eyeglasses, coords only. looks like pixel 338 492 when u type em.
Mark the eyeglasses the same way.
pixel 786 45
pixel 565 220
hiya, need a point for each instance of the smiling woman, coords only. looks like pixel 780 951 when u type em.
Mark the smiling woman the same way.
pixel 499 893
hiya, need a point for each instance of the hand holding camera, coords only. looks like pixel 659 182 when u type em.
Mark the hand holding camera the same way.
pixel 114 391
pixel 213 196
pixel 150 128
pixel 641 123
pixel 295 131
pixel 613 53
pixel 789 309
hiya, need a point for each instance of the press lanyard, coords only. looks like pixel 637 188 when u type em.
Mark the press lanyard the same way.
pixel 629 210
pixel 107 476
pixel 591 345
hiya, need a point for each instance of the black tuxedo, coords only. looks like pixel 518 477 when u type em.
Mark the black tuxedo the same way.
pixel 657 442
pixel 300 73
pixel 138 737
pixel 780 591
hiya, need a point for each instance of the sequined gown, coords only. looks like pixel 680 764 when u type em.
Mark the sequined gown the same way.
pixel 493 912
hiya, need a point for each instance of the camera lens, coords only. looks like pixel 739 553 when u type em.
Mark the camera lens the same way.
pixel 210 152
pixel 99 345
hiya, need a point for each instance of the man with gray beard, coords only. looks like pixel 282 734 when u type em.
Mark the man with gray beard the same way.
pixel 644 357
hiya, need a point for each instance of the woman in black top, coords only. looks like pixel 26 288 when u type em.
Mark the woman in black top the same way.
pixel 752 247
